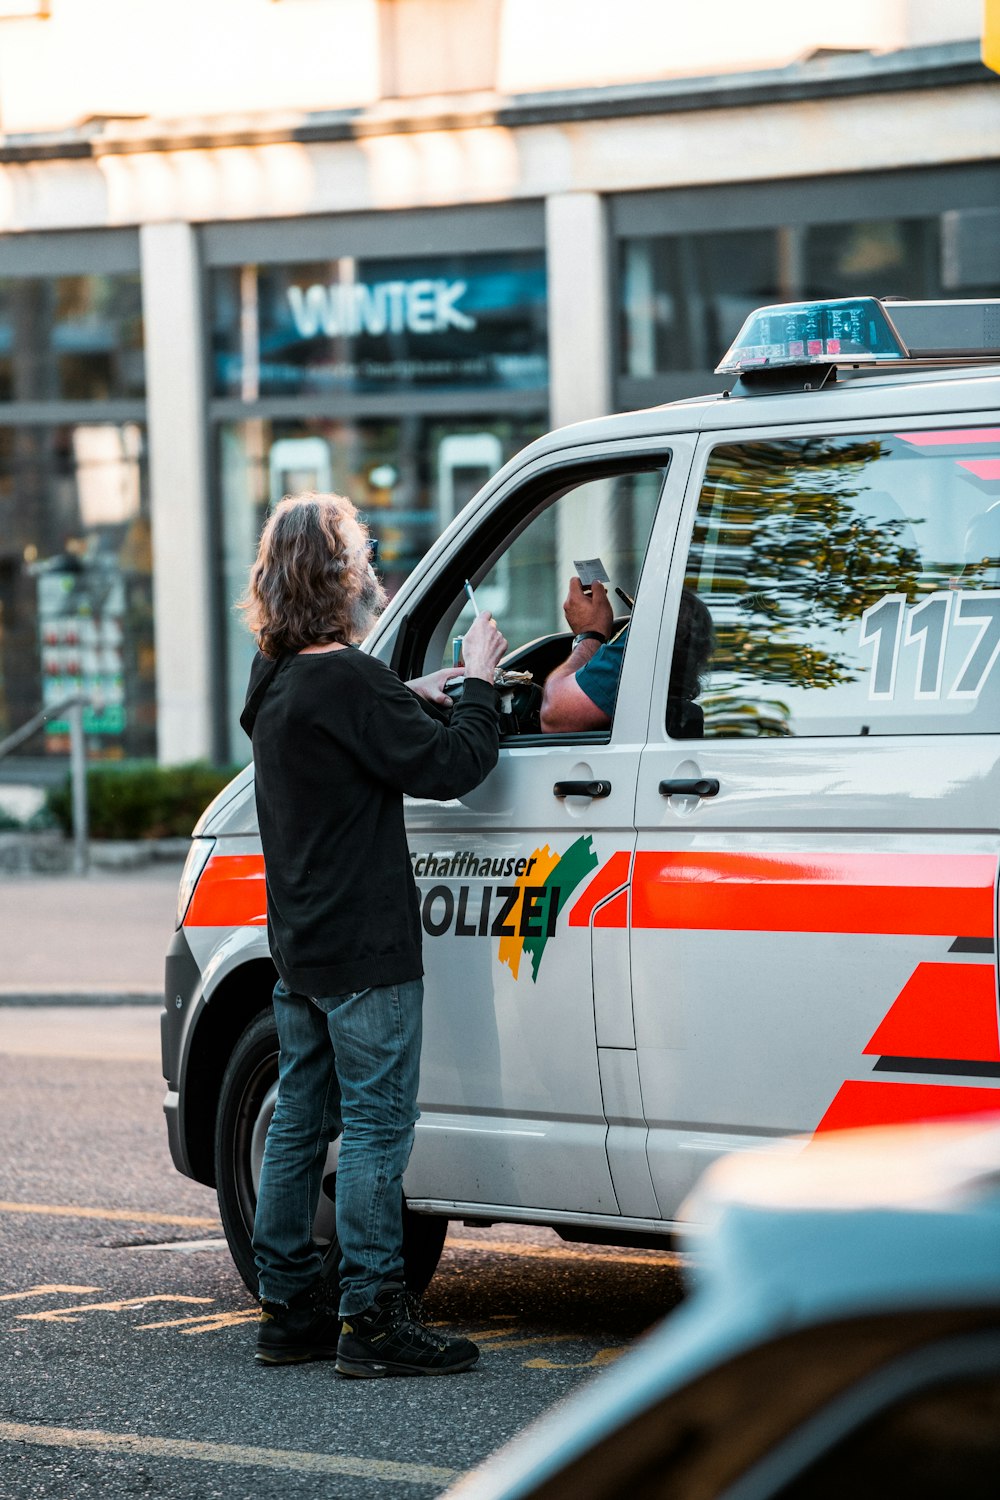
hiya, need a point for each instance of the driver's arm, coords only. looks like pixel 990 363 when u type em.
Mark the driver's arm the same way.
pixel 565 706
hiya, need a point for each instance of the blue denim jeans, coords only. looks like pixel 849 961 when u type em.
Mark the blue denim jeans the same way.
pixel 348 1064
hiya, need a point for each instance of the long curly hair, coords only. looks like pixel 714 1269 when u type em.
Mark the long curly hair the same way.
pixel 309 582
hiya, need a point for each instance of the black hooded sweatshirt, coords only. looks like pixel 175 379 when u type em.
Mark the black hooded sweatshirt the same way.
pixel 337 740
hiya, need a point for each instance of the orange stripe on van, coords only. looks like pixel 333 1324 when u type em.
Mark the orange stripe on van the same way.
pixel 870 893
pixel 230 893
pixel 943 1010
pixel 872 1102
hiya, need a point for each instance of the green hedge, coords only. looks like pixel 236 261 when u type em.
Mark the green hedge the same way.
pixel 137 800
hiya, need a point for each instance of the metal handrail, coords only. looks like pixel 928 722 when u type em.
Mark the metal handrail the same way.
pixel 73 706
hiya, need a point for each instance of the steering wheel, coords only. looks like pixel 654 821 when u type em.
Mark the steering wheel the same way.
pixel 521 711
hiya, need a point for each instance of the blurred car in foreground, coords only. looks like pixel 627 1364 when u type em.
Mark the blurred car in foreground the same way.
pixel 842 1339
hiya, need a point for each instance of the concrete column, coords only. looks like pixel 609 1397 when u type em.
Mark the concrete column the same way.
pixel 580 374
pixel 175 389
pixel 579 307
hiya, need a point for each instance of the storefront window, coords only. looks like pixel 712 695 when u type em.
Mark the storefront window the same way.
pixel 684 297
pixel 408 477
pixel 76 611
pixel 461 322
pixel 71 338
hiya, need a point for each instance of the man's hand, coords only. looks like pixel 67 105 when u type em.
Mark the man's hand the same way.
pixel 482 647
pixel 588 611
pixel 431 687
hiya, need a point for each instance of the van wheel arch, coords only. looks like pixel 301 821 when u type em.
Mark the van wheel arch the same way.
pixel 225 1016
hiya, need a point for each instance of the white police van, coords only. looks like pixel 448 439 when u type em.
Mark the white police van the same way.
pixel 764 899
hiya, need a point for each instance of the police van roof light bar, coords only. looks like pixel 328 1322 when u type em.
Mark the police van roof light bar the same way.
pixel 863 331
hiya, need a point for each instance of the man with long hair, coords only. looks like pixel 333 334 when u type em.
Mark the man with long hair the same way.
pixel 337 740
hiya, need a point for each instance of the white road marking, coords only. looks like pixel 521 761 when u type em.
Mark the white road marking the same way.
pixel 135 1444
pixel 182 1247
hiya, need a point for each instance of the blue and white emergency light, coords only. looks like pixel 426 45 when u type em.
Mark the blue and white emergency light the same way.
pixel 850 329
pixel 865 331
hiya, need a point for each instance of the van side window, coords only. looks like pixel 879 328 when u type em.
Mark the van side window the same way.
pixel 607 518
pixel 853 586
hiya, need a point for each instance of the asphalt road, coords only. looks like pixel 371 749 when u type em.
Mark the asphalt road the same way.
pixel 128 1336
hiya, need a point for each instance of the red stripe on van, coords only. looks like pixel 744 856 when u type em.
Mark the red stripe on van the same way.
pixel 608 878
pixel 871 893
pixel 230 893
pixel 943 1010
pixel 983 468
pixel 872 1102
pixel 613 913
pixel 945 438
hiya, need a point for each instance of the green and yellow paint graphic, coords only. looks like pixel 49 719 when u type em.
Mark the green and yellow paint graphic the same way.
pixel 557 876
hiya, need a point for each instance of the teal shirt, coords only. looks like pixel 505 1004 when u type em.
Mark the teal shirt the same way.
pixel 598 677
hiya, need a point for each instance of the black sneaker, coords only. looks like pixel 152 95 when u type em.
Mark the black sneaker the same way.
pixel 308 1328
pixel 387 1339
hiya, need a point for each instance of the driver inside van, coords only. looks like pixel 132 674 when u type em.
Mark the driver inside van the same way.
pixel 580 693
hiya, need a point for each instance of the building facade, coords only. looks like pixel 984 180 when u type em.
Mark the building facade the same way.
pixel 386 268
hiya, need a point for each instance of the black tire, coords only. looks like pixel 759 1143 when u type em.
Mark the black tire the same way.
pixel 245 1104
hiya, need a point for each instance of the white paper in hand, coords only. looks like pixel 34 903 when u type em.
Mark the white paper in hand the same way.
pixel 591 570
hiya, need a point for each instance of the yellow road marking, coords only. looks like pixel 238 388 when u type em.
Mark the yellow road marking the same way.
pixel 602 1357
pixel 43 1291
pixel 208 1322
pixel 557 1252
pixel 223 1453
pixel 531 1343
pixel 126 1304
pixel 499 1247
pixel 126 1215
pixel 480 1333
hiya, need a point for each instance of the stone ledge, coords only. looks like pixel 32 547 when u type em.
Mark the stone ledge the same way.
pixel 48 852
pixel 66 997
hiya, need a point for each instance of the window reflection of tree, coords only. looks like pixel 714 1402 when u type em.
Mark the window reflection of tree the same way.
pixel 788 553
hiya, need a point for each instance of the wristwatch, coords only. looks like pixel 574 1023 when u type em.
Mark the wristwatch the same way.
pixel 589 635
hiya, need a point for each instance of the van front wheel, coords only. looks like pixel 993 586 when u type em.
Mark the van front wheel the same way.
pixel 246 1104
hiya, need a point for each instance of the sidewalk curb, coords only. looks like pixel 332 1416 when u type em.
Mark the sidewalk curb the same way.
pixel 64 997
pixel 48 852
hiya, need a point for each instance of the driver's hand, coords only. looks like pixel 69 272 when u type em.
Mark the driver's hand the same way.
pixel 591 611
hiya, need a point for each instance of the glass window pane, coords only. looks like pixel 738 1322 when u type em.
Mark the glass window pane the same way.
pixel 609 519
pixel 932 1445
pixel 76 593
pixel 686 296
pixel 878 258
pixel 853 584
pixel 448 323
pixel 71 338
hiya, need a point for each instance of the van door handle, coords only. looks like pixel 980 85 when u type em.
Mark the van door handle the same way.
pixel 704 786
pixel 582 788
